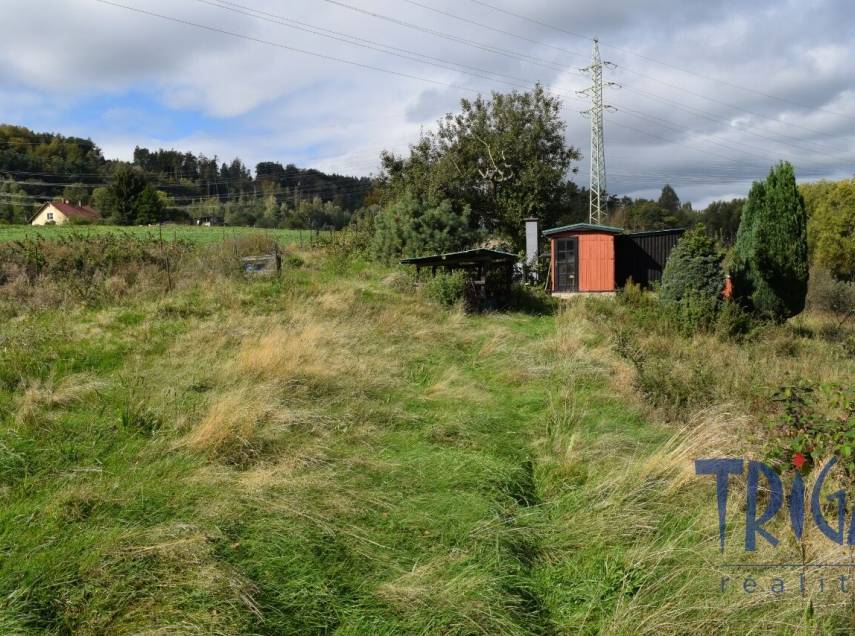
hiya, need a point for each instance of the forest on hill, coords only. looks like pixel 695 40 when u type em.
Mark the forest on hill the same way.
pixel 36 167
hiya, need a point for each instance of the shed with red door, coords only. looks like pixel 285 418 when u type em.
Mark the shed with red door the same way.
pixel 599 258
pixel 582 258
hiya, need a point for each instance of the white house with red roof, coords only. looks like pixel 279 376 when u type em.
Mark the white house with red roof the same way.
pixel 59 212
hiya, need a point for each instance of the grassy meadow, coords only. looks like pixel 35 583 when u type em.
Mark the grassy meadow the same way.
pixel 330 452
pixel 192 233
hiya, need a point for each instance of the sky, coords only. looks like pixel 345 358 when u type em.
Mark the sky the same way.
pixel 708 95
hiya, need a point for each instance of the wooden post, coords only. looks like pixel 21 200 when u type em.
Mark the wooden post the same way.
pixel 165 257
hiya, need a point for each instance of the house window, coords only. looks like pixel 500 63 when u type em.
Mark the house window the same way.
pixel 50 216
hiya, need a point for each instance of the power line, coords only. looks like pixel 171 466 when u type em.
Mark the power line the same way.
pixel 329 57
pixel 668 124
pixel 197 180
pixel 727 104
pixel 494 29
pixel 453 38
pixel 576 53
pixel 283 46
pixel 411 55
pixel 660 62
pixel 524 38
pixel 362 42
pixel 699 113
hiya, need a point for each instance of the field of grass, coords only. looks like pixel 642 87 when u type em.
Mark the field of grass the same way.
pixel 330 452
pixel 202 235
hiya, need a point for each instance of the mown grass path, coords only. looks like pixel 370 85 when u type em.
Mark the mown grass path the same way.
pixel 326 454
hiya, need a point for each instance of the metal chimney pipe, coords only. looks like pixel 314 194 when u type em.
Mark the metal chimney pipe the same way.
pixel 531 245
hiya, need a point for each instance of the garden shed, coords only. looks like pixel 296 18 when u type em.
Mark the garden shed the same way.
pixel 582 258
pixel 600 259
pixel 490 274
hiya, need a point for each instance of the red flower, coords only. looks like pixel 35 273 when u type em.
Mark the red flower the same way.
pixel 799 460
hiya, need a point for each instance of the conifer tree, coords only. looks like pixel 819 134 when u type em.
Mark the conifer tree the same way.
pixel 770 258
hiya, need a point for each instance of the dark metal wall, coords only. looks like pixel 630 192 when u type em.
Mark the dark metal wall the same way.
pixel 642 255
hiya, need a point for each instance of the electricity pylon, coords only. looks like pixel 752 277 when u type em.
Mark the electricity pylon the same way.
pixel 597 186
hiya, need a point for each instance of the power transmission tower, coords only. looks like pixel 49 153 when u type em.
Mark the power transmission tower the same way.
pixel 597 187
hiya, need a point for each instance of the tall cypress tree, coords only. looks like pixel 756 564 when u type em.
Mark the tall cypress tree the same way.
pixel 770 259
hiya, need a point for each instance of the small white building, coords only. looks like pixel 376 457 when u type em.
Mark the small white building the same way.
pixel 59 212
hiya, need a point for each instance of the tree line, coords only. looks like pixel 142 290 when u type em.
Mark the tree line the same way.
pixel 168 185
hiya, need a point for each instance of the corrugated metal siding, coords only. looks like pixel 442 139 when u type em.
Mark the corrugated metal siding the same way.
pixel 596 262
pixel 643 256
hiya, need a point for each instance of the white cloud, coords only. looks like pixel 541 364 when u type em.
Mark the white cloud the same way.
pixel 706 137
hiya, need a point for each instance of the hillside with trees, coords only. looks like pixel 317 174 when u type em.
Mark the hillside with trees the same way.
pixel 168 185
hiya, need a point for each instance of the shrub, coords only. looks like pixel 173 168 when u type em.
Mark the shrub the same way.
pixel 531 300
pixel 632 295
pixel 85 267
pixel 770 258
pixel 694 312
pixel 826 293
pixel 412 227
pixel 732 321
pixel 693 269
pixel 447 288
pixel 692 283
pixel 816 421
pixel 675 384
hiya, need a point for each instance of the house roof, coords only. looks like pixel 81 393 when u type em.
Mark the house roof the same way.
pixel 466 257
pixel 77 212
pixel 584 227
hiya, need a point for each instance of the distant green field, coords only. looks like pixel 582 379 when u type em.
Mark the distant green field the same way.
pixel 170 232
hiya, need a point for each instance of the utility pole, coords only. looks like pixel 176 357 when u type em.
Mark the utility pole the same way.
pixel 597 186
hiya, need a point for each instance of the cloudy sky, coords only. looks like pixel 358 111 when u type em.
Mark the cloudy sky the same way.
pixel 711 92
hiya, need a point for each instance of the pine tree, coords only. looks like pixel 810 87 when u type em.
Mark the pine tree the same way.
pixel 770 258
pixel 669 200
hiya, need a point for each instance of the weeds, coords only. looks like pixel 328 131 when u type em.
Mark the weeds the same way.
pixel 330 451
pixel 447 288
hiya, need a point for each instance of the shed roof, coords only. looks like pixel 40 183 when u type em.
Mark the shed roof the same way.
pixel 669 231
pixel 584 227
pixel 466 257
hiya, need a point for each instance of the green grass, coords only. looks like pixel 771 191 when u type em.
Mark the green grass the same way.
pixel 202 235
pixel 325 454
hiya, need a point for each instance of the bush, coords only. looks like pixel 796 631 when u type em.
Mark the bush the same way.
pixel 693 313
pixel 532 300
pixel 826 293
pixel 447 288
pixel 412 227
pixel 770 258
pixel 693 269
pixel 732 321
pixel 816 421
pixel 674 383
pixel 632 295
pixel 692 283
pixel 79 266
